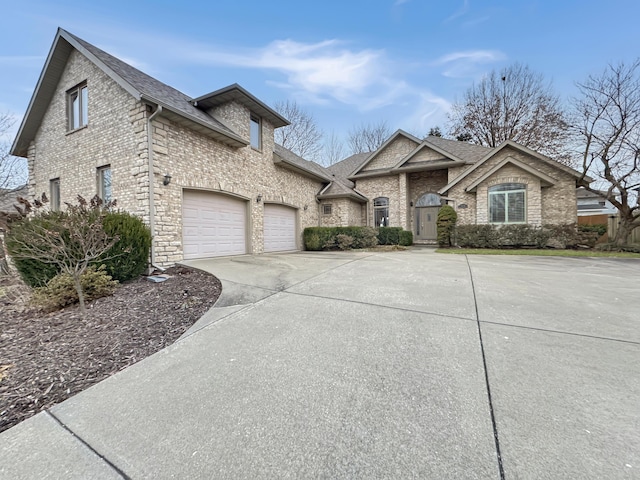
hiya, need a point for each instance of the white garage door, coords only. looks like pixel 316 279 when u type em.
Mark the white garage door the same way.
pixel 213 224
pixel 279 228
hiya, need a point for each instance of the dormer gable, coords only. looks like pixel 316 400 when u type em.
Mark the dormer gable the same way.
pixel 398 146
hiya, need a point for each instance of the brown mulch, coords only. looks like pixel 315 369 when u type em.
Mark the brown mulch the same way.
pixel 46 358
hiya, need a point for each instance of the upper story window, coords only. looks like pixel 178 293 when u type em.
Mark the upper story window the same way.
pixel 381 212
pixel 77 108
pixel 54 194
pixel 508 203
pixel 256 132
pixel 104 183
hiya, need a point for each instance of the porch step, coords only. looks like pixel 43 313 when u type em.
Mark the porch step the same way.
pixel 425 242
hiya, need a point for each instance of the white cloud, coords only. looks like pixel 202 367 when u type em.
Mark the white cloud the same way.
pixel 467 63
pixel 459 13
pixel 319 71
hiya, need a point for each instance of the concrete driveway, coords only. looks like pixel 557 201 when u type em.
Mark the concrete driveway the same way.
pixel 359 365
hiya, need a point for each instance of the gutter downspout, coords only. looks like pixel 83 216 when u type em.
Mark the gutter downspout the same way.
pixel 152 209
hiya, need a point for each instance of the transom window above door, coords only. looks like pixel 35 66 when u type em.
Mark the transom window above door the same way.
pixel 429 200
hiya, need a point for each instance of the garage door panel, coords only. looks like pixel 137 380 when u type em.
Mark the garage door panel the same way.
pixel 214 224
pixel 279 228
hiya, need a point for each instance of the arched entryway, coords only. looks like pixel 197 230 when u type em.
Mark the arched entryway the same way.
pixel 426 213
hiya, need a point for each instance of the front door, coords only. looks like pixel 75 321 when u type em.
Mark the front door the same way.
pixel 426 223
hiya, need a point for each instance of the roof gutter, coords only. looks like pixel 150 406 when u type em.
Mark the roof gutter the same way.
pixel 152 206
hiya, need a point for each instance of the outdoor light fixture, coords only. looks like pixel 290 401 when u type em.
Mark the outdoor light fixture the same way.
pixel 259 198
pixel 305 207
pixel 167 179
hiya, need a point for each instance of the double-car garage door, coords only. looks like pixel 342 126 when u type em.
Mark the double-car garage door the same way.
pixel 214 224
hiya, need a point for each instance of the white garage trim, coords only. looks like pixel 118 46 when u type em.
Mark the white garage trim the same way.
pixel 213 224
pixel 279 228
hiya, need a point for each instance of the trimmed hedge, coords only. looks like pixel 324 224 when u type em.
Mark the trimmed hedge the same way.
pixel 516 236
pixel 345 238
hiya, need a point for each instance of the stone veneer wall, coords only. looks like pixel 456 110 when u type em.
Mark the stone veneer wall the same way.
pixel 113 136
pixel 344 213
pixel 553 205
pixel 390 155
pixel 426 154
pixel 198 162
pixel 390 187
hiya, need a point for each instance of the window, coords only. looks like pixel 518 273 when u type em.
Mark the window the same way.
pixel 256 134
pixel 326 209
pixel 104 183
pixel 77 107
pixel 54 194
pixel 381 212
pixel 507 203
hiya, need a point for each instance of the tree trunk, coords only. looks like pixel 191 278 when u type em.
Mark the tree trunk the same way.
pixel 78 285
pixel 625 227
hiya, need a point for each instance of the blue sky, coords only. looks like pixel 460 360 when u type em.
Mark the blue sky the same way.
pixel 346 62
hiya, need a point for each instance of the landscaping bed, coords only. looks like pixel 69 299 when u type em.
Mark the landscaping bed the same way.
pixel 46 358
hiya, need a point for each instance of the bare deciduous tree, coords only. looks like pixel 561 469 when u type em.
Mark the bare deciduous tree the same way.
pixel 70 240
pixel 333 149
pixel 302 137
pixel 12 169
pixel 368 137
pixel 513 104
pixel 607 122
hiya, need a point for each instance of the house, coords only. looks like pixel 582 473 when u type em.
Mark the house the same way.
pixel 590 203
pixel 207 177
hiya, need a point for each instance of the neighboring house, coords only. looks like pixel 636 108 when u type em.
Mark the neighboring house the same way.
pixel 590 203
pixel 9 198
pixel 206 176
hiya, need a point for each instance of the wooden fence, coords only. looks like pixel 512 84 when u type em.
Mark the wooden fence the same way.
pixel 613 228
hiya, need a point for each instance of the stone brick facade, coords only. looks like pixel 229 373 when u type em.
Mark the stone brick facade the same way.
pixel 112 136
pixel 116 135
pixel 344 212
pixel 390 155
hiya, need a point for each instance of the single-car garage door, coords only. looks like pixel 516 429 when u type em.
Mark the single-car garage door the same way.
pixel 213 224
pixel 279 228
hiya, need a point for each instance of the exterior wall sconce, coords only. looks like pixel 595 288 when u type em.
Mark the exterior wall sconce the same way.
pixel 167 180
pixel 305 207
pixel 259 198
pixel 411 204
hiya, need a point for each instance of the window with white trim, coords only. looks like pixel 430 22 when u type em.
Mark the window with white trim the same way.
pixel 381 212
pixel 54 194
pixel 508 203
pixel 77 106
pixel 256 132
pixel 104 183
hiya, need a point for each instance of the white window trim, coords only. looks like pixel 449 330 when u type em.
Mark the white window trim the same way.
pixel 54 200
pixel 506 205
pixel 100 182
pixel 253 118
pixel 82 108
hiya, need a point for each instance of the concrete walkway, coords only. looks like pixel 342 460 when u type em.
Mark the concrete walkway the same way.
pixel 358 365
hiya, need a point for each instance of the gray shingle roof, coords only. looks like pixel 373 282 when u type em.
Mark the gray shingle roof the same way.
pixel 463 150
pixel 151 87
pixel 346 167
pixel 297 161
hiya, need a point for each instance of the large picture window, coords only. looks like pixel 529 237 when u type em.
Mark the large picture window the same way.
pixel 381 212
pixel 507 203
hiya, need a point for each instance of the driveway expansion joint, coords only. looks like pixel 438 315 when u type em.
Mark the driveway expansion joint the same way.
pixel 486 375
pixel 114 467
